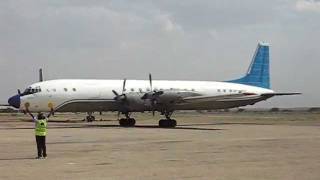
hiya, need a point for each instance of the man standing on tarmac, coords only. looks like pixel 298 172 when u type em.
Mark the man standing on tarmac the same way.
pixel 41 123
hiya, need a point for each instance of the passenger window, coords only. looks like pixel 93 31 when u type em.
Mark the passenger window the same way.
pixel 224 90
pixel 140 90
pixel 74 89
pixel 148 89
pixel 54 90
pixel 132 89
pixel 65 89
pixel 219 90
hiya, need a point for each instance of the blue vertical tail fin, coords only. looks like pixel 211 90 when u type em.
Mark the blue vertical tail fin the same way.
pixel 258 73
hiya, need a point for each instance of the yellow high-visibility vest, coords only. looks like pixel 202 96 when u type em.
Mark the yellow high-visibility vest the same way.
pixel 41 127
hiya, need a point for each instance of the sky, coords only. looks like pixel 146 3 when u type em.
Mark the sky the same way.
pixel 210 40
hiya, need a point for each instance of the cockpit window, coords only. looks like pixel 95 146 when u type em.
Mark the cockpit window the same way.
pixel 31 90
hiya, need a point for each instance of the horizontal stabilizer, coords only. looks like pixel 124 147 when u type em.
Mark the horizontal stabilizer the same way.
pixel 280 94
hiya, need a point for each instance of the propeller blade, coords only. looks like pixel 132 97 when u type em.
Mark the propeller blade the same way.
pixel 19 92
pixel 153 113
pixel 150 80
pixel 115 93
pixel 40 75
pixel 124 85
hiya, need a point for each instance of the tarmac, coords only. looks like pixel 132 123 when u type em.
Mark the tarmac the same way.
pixel 244 146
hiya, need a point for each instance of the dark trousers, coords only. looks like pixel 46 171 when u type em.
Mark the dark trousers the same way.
pixel 41 146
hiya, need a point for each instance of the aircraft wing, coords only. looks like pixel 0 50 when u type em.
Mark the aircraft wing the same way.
pixel 234 97
pixel 216 98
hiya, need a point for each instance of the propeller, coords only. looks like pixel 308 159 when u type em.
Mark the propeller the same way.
pixel 19 92
pixel 152 95
pixel 124 85
pixel 40 75
pixel 150 81
pixel 121 98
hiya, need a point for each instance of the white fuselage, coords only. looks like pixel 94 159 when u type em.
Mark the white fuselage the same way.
pixel 55 93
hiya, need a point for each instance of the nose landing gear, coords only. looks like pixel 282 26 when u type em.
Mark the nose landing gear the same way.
pixel 90 117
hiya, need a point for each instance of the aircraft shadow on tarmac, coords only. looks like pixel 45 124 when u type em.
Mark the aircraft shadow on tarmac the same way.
pixel 16 158
pixel 231 123
pixel 180 127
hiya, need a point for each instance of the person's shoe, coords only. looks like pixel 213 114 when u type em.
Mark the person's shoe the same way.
pixel 44 157
pixel 38 157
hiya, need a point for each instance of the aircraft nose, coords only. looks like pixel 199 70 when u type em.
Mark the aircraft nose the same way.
pixel 14 101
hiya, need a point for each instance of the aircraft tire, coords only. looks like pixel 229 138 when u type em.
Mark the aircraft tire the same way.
pixel 173 123
pixel 90 118
pixel 123 122
pixel 162 123
pixel 131 122
pixel 165 123
pixel 127 122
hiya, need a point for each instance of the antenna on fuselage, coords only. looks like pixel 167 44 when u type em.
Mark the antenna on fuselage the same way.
pixel 40 75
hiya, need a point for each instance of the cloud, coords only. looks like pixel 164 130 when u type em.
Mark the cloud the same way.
pixel 168 24
pixel 307 6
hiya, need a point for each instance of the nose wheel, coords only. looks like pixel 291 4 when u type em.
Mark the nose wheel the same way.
pixel 90 117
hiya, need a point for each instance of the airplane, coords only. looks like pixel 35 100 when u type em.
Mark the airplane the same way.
pixel 164 96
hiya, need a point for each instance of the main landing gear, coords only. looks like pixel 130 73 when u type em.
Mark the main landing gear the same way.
pixel 163 123
pixel 127 122
pixel 168 122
